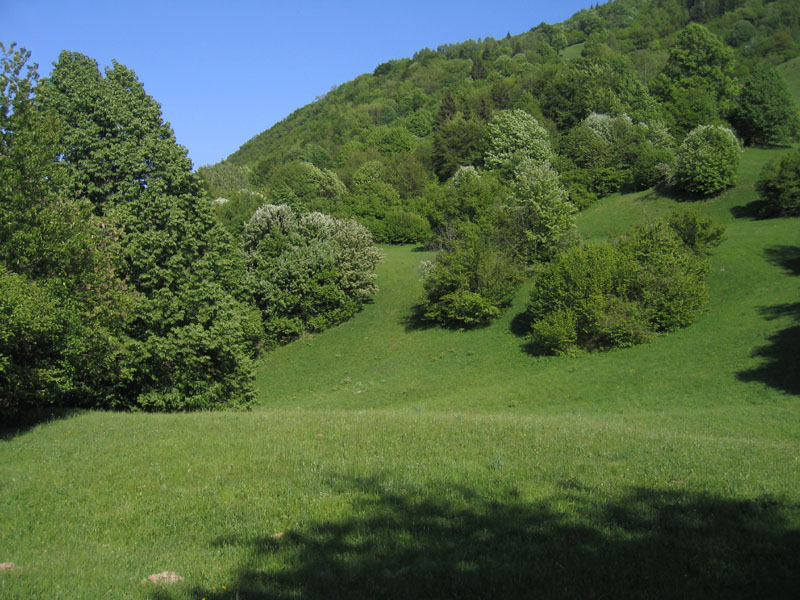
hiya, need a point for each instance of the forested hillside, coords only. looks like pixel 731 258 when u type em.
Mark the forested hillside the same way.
pixel 382 146
pixel 130 282
pixel 486 150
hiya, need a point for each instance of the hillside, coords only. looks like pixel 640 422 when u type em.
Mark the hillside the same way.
pixel 385 358
pixel 411 123
pixel 388 459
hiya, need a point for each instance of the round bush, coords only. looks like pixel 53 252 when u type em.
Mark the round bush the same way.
pixel 707 160
pixel 779 187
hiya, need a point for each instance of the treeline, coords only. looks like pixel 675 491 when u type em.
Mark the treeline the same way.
pixel 379 148
pixel 118 287
pixel 484 150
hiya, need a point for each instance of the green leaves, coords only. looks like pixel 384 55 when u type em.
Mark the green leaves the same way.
pixel 765 112
pixel 618 294
pixel 707 160
pixel 778 186
pixel 189 336
pixel 306 273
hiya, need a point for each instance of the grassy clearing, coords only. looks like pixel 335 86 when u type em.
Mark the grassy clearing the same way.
pixel 389 459
pixel 397 504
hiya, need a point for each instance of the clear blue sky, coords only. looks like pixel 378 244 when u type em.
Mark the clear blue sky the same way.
pixel 225 71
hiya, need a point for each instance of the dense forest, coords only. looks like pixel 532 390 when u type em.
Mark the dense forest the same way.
pixel 128 281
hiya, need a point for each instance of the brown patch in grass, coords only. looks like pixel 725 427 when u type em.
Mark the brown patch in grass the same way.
pixel 165 577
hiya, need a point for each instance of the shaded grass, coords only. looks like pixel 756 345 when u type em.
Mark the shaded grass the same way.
pixel 373 503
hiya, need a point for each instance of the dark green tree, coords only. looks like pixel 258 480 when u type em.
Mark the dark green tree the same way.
pixel 62 304
pixel 698 63
pixel 478 69
pixel 778 186
pixel 765 112
pixel 459 141
pixel 191 335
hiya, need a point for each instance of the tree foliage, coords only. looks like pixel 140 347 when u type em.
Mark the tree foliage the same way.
pixel 778 186
pixel 63 301
pixel 619 294
pixel 472 279
pixel 306 273
pixel 190 335
pixel 697 83
pixel 765 112
pixel 513 136
pixel 707 160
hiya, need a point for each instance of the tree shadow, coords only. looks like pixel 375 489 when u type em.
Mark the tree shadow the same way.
pixel 417 321
pixel 787 257
pixel 753 211
pixel 781 366
pixel 648 543
pixel 17 423
pixel 520 325
pixel 664 190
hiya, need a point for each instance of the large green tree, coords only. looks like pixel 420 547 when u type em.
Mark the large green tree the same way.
pixel 697 84
pixel 191 335
pixel 765 112
pixel 62 303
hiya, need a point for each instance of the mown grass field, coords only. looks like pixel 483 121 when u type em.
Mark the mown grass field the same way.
pixel 385 458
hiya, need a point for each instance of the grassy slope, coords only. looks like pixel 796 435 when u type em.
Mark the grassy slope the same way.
pixel 382 360
pixel 399 461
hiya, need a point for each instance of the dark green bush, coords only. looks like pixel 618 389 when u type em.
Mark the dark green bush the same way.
pixel 696 231
pixel 403 227
pixel 469 282
pixel 778 186
pixel 617 294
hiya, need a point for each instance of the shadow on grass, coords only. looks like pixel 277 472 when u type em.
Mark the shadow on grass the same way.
pixel 787 257
pixel 411 544
pixel 780 368
pixel 416 321
pixel 14 424
pixel 669 192
pixel 520 325
pixel 754 211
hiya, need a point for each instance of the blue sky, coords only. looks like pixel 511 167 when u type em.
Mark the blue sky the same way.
pixel 225 71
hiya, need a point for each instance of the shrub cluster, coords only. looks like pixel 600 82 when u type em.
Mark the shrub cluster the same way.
pixel 306 273
pixel 622 293
pixel 470 281
pixel 778 186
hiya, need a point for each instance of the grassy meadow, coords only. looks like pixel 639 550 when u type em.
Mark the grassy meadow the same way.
pixel 386 458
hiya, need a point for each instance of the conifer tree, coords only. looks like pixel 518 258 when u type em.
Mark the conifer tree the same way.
pixel 191 336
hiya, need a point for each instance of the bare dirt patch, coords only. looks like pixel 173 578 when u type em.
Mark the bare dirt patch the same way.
pixel 165 577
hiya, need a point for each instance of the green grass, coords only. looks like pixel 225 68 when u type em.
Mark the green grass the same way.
pixel 573 51
pixel 791 72
pixel 389 459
